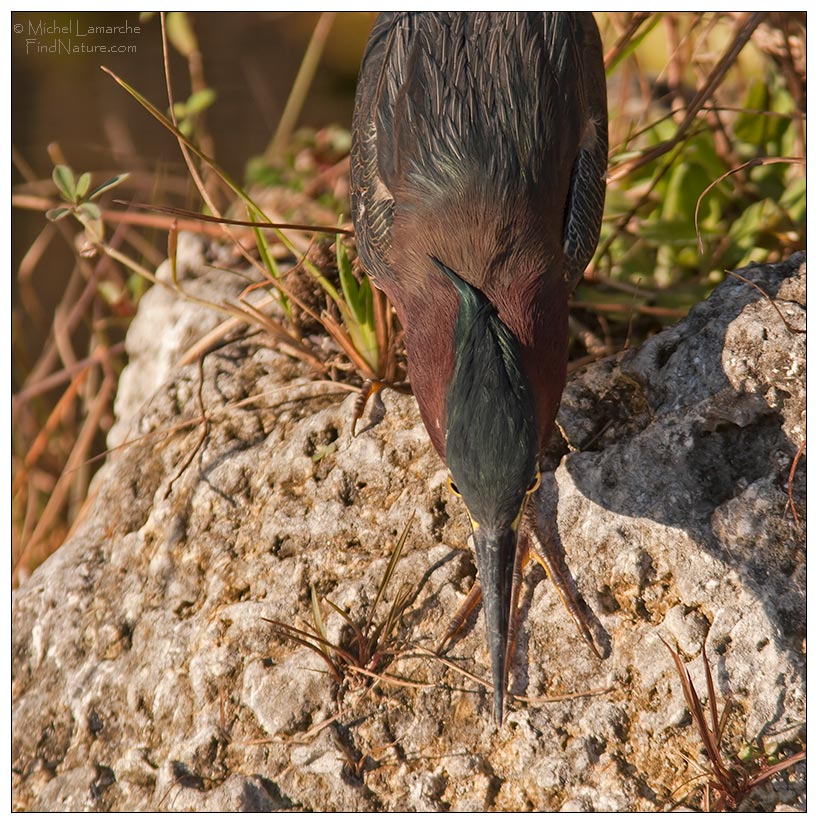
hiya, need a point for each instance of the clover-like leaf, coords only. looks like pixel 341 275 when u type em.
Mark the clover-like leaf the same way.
pixel 83 185
pixel 181 34
pixel 57 213
pixel 199 101
pixel 63 178
pixel 109 184
pixel 88 210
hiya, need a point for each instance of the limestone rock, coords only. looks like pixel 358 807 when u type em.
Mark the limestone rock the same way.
pixel 146 677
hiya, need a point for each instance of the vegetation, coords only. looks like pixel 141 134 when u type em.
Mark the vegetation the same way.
pixel 707 136
pixel 367 646
pixel 727 781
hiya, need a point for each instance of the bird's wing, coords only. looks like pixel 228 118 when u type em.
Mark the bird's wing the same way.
pixel 372 201
pixel 586 197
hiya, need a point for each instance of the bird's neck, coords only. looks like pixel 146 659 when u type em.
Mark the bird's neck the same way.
pixel 490 411
pixel 532 311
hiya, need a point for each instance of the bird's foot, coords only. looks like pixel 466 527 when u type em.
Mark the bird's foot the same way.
pixel 545 553
pixel 370 388
pixel 461 616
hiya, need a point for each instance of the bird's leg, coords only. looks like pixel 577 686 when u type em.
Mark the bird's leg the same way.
pixel 544 552
pixel 374 387
pixel 531 547
pixel 461 616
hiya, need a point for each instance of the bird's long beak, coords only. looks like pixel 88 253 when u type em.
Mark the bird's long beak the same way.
pixel 495 563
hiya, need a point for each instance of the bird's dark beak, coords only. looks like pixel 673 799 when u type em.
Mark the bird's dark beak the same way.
pixel 495 563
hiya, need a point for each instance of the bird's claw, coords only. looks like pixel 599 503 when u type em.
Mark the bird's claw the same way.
pixel 372 387
pixel 369 388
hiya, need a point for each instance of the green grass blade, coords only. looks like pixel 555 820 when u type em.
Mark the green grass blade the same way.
pixel 358 314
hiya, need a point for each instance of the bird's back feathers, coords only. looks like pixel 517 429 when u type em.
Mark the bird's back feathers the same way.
pixel 462 115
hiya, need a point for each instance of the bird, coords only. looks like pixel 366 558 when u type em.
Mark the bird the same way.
pixel 477 185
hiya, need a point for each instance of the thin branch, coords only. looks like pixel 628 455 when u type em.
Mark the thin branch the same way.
pixel 791 477
pixel 753 162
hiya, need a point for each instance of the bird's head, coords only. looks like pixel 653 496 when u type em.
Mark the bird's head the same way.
pixel 492 448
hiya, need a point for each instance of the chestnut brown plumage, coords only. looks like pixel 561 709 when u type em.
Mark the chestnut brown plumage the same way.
pixel 477 183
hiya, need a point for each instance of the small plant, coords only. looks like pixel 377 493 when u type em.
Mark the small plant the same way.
pixel 730 780
pixel 79 202
pixel 370 645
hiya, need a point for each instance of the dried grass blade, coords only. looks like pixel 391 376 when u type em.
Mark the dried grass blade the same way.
pixel 390 570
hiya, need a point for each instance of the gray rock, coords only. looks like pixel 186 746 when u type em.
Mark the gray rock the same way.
pixel 145 676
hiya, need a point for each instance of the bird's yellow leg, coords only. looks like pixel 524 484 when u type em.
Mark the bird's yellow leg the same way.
pixel 368 389
pixel 473 599
pixel 520 560
pixel 544 553
pixel 531 548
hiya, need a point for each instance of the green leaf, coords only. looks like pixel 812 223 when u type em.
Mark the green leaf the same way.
pixel 199 101
pixel 769 179
pixel 259 171
pixel 661 130
pixel 349 285
pixel 181 34
pixel 109 184
pixel 63 179
pixel 673 232
pixel 760 127
pixel 358 314
pixel 701 151
pixel 82 185
pixel 779 126
pixel 89 210
pixel 755 219
pixel 58 213
pixel 687 181
pixel 794 200
pixel 749 126
pixel 756 254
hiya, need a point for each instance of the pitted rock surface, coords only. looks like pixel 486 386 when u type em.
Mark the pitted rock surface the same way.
pixel 146 678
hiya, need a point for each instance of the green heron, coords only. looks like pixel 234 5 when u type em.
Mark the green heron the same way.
pixel 477 184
